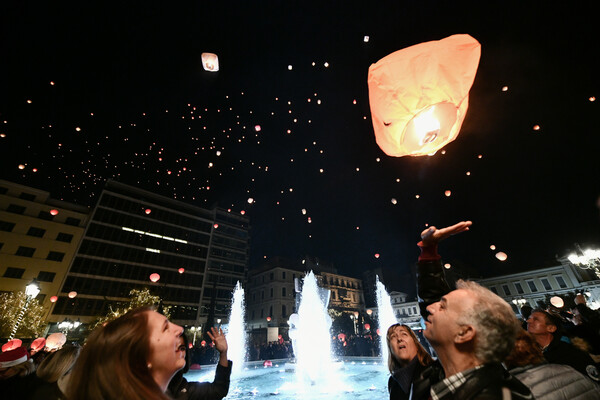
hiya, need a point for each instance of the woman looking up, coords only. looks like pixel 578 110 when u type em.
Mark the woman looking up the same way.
pixel 132 357
pixel 407 359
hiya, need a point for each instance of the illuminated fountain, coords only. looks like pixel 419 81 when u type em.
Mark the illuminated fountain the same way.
pixel 236 331
pixel 314 374
pixel 385 315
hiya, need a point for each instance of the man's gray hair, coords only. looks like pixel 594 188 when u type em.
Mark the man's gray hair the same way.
pixel 494 321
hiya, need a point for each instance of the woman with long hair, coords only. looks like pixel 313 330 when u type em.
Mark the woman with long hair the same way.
pixel 53 373
pixel 132 357
pixel 407 359
pixel 181 389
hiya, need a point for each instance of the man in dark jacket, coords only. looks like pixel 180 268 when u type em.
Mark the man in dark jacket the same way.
pixel 471 329
pixel 545 329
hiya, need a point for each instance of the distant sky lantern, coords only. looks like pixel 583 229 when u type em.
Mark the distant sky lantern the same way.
pixel 366 39
pixel 54 211
pixel 154 277
pixel 536 127
pixel 447 193
pixel 210 62
pixel 492 247
pixel 250 200
pixel 53 299
pixel 21 166
pixel 376 255
pixel 215 226
pixel 242 212
pixel 447 266
pixel 148 211
pixel 501 256
pixel 181 270
pixel 367 326
pixel 394 201
pixel 72 294
pixel 419 95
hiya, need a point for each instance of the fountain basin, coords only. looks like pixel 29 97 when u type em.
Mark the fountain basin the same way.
pixel 352 378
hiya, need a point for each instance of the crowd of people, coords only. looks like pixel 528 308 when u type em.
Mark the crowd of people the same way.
pixel 483 350
pixel 480 351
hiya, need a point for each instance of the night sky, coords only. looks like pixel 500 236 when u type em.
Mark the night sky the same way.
pixel 92 92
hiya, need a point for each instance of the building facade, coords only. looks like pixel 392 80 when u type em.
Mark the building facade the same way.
pixel 537 286
pixel 38 240
pixel 273 288
pixel 198 254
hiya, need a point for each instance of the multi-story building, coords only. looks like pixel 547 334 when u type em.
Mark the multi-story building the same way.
pixel 406 312
pixel 272 293
pixel 537 286
pixel 198 254
pixel 38 239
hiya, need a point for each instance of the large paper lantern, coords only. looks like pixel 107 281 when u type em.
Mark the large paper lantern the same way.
pixel 55 341
pixel 210 62
pixel 38 344
pixel 11 345
pixel 154 277
pixel 419 95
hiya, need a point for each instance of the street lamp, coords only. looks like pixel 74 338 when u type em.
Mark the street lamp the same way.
pixel 67 325
pixel 195 329
pixel 586 259
pixel 31 291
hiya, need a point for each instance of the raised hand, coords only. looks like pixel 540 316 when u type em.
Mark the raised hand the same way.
pixel 218 338
pixel 432 235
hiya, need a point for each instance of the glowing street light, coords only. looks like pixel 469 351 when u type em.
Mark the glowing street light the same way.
pixel 31 292
pixel 586 259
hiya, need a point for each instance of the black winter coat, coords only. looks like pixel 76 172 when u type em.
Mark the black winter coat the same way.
pixel 216 390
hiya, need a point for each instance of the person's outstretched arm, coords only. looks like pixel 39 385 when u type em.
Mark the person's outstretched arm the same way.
pixel 431 280
pixel 219 388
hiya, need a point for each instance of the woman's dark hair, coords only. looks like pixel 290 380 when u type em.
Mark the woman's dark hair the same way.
pixel 114 362
pixel 525 352
pixel 422 354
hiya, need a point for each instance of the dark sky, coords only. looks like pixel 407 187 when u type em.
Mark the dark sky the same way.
pixel 129 76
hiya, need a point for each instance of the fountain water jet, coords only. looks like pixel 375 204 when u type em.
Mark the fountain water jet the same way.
pixel 236 331
pixel 385 316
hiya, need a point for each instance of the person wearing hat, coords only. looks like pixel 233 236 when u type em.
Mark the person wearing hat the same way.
pixel 14 367
pixel 545 328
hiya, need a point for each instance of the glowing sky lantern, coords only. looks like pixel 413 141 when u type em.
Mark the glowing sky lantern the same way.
pixel 367 326
pixel 210 62
pixel 501 256
pixel 54 212
pixel 492 247
pixel 557 302
pixel 181 270
pixel 11 345
pixel 154 277
pixel 419 95
pixel 53 299
pixel 376 255
pixel 147 211
pixel 56 340
pixel 72 294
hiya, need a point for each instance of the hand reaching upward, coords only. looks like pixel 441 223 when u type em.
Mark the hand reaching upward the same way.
pixel 218 338
pixel 432 236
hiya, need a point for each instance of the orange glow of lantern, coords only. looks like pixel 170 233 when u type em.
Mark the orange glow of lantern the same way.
pixel 501 256
pixel 148 211
pixel 203 343
pixel 56 341
pixel 181 270
pixel 210 62
pixel 215 226
pixel 53 299
pixel 154 277
pixel 376 255
pixel 419 95
pixel 448 193
pixel 72 294
pixel 367 326
pixel 11 345
pixel 268 319
pixel 54 212
pixel 557 302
